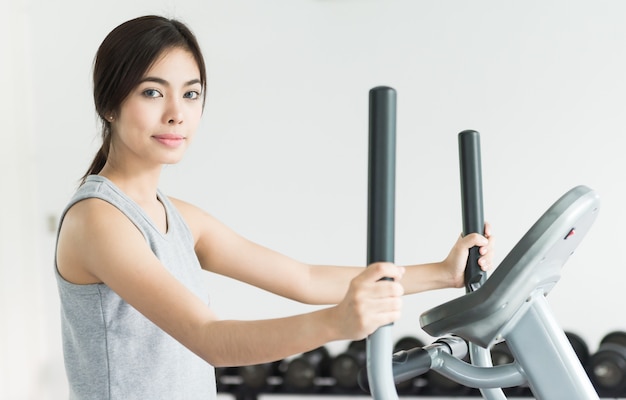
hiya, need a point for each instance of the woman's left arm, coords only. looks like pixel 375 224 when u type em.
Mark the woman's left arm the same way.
pixel 223 251
pixel 448 273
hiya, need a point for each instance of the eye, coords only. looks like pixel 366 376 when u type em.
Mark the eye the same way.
pixel 151 93
pixel 192 95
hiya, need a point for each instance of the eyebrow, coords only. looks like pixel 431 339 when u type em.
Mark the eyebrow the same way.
pixel 166 83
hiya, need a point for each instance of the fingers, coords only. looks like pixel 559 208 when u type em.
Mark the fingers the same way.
pixel 380 270
pixel 486 250
pixel 485 244
pixel 475 239
pixel 372 283
pixel 487 233
pixel 384 295
pixel 373 302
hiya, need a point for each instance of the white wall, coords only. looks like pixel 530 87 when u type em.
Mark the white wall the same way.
pixel 282 152
pixel 22 311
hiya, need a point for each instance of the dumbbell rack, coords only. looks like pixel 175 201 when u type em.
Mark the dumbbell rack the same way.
pixel 605 367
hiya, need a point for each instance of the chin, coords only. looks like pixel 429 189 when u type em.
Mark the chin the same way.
pixel 173 158
pixel 172 162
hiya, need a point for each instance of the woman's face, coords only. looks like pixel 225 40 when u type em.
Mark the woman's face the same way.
pixel 158 119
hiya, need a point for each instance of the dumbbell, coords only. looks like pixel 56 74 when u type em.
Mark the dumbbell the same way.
pixel 308 372
pixel 345 367
pixel 607 367
pixel 580 347
pixel 227 379
pixel 260 378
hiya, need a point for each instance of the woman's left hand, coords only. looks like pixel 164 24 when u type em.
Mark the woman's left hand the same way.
pixel 456 260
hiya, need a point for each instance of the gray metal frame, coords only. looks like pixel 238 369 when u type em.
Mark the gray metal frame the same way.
pixel 511 305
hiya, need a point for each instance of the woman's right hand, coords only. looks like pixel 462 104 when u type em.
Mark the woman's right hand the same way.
pixel 371 302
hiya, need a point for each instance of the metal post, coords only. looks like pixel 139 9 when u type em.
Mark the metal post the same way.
pixel 381 227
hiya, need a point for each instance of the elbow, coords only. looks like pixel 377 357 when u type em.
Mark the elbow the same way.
pixel 215 344
pixel 212 357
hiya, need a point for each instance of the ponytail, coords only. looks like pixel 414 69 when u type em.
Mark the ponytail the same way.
pixel 103 153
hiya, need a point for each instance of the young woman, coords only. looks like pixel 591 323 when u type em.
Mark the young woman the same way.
pixel 134 315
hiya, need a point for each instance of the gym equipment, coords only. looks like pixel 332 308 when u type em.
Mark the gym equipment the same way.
pixel 345 367
pixel 511 305
pixel 471 203
pixel 260 377
pixel 580 348
pixel 226 379
pixel 441 386
pixel 501 355
pixel 407 343
pixel 414 385
pixel 303 373
pixel 607 367
pixel 245 382
pixel 381 226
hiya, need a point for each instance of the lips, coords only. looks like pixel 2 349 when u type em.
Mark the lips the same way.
pixel 169 139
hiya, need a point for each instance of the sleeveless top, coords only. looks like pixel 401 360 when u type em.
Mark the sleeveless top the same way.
pixel 112 351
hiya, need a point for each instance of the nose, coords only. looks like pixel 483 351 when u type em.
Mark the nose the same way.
pixel 174 113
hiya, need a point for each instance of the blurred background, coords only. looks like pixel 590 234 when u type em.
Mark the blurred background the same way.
pixel 281 155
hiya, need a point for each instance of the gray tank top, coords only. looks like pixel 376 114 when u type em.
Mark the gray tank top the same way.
pixel 112 351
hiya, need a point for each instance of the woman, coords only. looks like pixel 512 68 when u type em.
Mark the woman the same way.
pixel 135 320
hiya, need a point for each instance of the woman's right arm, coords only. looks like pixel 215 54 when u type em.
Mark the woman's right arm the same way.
pixel 97 243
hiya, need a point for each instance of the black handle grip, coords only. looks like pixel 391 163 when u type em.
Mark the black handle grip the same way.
pixel 472 202
pixel 381 174
pixel 380 224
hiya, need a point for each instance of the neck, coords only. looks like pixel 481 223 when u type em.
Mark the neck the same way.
pixel 139 185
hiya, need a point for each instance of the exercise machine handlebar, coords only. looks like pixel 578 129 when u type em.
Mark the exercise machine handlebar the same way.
pixel 471 202
pixel 408 364
pixel 472 206
pixel 379 370
pixel 381 226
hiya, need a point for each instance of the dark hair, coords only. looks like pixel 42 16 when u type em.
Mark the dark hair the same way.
pixel 123 58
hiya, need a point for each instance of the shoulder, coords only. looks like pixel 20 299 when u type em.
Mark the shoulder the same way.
pixel 210 234
pixel 91 215
pixel 194 216
pixel 91 231
pixel 185 207
pixel 198 220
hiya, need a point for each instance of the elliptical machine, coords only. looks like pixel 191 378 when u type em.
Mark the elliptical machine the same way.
pixel 510 306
